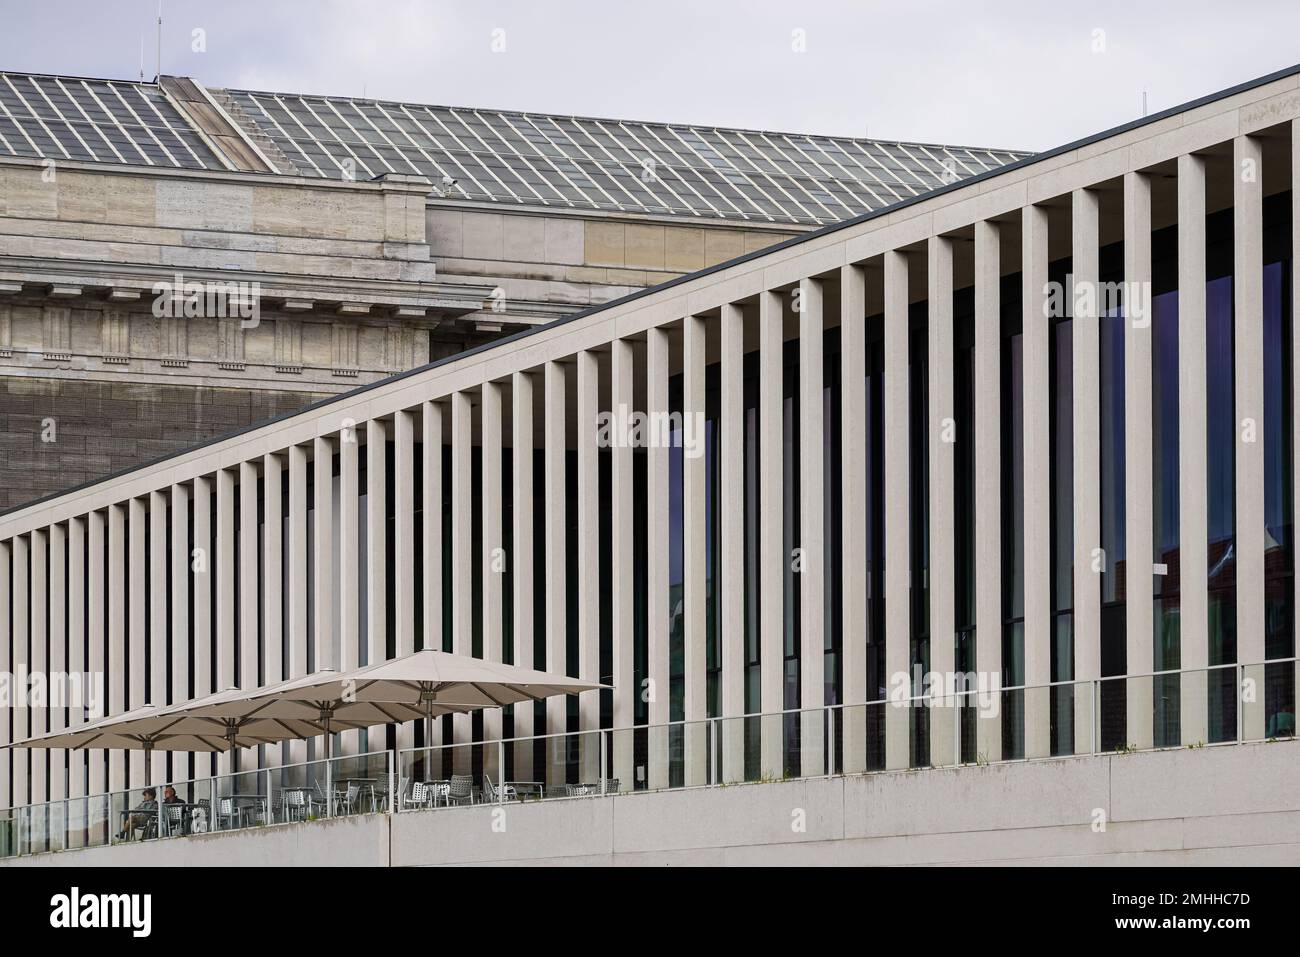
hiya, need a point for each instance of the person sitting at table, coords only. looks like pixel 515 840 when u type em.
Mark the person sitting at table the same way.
pixel 139 817
pixel 169 796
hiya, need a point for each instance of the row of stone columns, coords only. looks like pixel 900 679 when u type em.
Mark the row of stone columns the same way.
pixel 344 539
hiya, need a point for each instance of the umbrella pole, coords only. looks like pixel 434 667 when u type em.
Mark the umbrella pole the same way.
pixel 428 742
pixel 148 782
pixel 329 784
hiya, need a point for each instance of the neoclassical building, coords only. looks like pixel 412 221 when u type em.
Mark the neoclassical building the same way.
pixel 373 236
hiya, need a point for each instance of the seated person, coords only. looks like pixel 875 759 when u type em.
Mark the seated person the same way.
pixel 169 796
pixel 139 817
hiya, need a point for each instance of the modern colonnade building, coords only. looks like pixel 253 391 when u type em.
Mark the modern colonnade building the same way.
pixel 924 440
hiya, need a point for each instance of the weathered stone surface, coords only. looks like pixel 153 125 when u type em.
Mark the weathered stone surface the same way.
pixel 101 427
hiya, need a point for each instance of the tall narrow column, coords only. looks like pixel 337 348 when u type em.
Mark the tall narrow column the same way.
pixel 771 431
pixel 1295 379
pixel 431 530
pixel 941 436
pixel 137 575
pixel 622 564
pixel 58 665
pixel 494 559
pixel 180 611
pixel 272 653
pixel 248 548
pixel 657 687
pixel 556 601
pixel 39 658
pixel 462 567
pixel 77 664
pixel 404 548
pixel 1248 385
pixel 376 637
pixel 694 564
pixel 349 623
pixel 115 660
pixel 897 510
pixel 326 585
pixel 812 534
pixel 248 576
pixel 431 478
pixel 1193 468
pixel 988 482
pixel 521 396
pixel 732 564
pixel 1036 331
pixel 22 661
pixel 589 572
pixel 159 637
pixel 96 758
pixel 1088 558
pixel 297 645
pixel 226 545
pixel 7 667
pixel 853 389
pixel 1138 532
pixel 227 624
pixel 203 564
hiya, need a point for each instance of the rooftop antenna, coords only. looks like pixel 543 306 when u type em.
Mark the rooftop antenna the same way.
pixel 142 59
pixel 1144 102
pixel 159 60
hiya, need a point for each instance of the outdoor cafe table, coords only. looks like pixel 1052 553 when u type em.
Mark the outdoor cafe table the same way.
pixel 248 799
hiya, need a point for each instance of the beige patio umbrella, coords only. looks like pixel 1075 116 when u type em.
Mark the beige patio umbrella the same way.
pixel 425 685
pixel 181 727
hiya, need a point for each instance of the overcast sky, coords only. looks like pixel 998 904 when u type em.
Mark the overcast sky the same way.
pixel 1028 75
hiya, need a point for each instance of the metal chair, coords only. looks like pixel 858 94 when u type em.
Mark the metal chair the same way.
pixel 174 819
pixel 231 815
pixel 421 795
pixel 350 797
pixel 298 805
pixel 460 789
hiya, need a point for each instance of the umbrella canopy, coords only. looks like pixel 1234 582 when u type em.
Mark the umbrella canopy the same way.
pixel 175 728
pixel 412 687
pixel 425 684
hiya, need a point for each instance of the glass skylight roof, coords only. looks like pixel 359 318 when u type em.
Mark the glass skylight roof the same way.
pixel 107 121
pixel 494 156
pixel 616 165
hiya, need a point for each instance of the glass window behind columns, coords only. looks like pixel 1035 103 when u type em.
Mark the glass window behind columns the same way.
pixel 792 538
pixel 753 667
pixel 833 509
pixel 712 536
pixel 1114 639
pixel 877 680
pixel 676 586
pixel 1013 520
pixel 918 433
pixel 1064 699
pixel 1279 546
pixel 964 504
pixel 1166 647
pixel 1221 450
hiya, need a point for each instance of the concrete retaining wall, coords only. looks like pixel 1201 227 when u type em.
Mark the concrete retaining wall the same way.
pixel 1236 804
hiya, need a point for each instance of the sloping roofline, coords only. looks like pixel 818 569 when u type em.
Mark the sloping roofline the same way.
pixel 689 277
pixel 670 124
